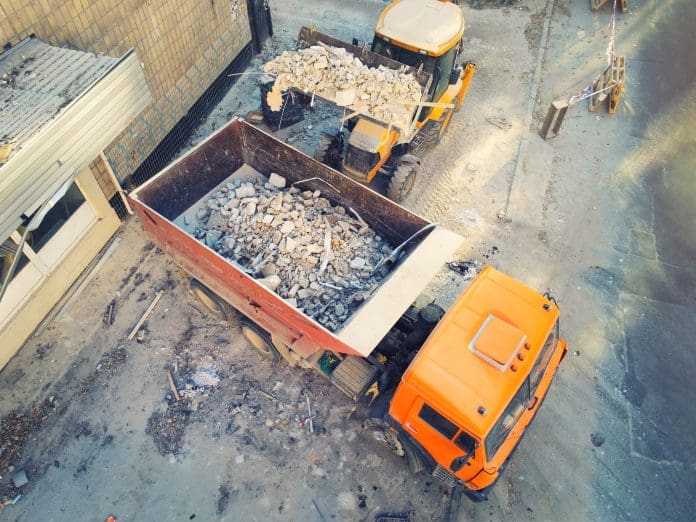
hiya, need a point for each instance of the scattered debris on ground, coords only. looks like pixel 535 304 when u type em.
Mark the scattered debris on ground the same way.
pixel 315 255
pixel 16 429
pixel 168 427
pixel 334 74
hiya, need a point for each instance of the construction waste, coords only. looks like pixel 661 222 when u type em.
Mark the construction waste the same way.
pixel 387 95
pixel 316 256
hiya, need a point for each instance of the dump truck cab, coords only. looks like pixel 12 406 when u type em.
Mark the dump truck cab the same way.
pixel 426 35
pixel 475 385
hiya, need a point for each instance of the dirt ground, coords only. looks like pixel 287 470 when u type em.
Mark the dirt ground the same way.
pixel 602 216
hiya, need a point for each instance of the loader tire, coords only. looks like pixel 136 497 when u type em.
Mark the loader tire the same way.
pixel 212 302
pixel 427 138
pixel 402 182
pixel 260 340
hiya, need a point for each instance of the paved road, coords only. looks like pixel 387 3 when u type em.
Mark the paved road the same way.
pixel 613 232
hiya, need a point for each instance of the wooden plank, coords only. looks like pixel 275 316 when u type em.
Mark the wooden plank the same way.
pixel 145 315
pixel 375 318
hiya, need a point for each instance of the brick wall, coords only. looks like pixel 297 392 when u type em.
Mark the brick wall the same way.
pixel 183 44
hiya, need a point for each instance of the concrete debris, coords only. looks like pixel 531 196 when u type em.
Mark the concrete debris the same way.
pixel 316 256
pixel 276 180
pixel 333 73
pixel 206 376
pixel 19 478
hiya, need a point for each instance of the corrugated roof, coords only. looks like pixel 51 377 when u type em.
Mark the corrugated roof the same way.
pixel 37 80
pixel 75 105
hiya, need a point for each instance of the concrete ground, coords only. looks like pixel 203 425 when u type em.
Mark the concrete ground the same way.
pixel 603 216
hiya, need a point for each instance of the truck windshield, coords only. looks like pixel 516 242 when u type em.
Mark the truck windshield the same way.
pixel 412 58
pixel 519 402
pixel 543 360
pixel 507 420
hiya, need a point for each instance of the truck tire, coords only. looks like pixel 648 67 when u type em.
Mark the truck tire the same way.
pixel 402 181
pixel 415 462
pixel 212 302
pixel 260 340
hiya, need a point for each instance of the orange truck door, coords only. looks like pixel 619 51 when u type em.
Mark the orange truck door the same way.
pixel 437 434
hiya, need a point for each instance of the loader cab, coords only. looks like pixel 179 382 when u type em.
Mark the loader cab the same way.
pixel 476 383
pixel 425 34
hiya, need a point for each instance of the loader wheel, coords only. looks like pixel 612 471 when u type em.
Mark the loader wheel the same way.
pixel 260 340
pixel 402 182
pixel 213 302
pixel 428 137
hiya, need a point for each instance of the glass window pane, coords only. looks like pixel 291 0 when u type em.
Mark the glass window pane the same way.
pixel 438 422
pixel 465 441
pixel 56 217
pixel 544 357
pixel 8 251
pixel 507 420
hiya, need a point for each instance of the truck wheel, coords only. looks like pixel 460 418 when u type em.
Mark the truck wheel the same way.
pixel 260 340
pixel 213 302
pixel 415 462
pixel 402 182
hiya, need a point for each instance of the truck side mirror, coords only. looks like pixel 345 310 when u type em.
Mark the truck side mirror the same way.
pixel 455 74
pixel 459 462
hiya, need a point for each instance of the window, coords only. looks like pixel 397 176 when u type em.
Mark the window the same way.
pixel 507 420
pixel 465 442
pixel 412 58
pixel 8 251
pixel 56 217
pixel 438 422
pixel 443 70
pixel 543 360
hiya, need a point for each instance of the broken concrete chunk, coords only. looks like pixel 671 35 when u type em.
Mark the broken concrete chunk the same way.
pixel 277 180
pixel 202 213
pixel 357 263
pixel 290 244
pixel 287 227
pixel 270 282
pixel 212 236
pixel 245 191
pixel 304 293
pixel 19 478
pixel 216 219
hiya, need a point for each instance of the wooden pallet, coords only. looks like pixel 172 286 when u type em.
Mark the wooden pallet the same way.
pixel 612 79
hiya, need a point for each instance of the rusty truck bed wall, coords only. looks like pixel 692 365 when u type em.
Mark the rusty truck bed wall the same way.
pixel 171 192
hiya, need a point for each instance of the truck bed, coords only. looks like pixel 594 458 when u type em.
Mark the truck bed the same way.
pixel 168 201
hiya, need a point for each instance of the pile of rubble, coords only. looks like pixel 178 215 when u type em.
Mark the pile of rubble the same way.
pixel 334 74
pixel 316 256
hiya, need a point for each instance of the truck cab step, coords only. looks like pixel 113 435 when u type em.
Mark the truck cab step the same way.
pixel 353 375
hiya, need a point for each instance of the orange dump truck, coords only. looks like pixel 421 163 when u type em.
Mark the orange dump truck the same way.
pixel 453 382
